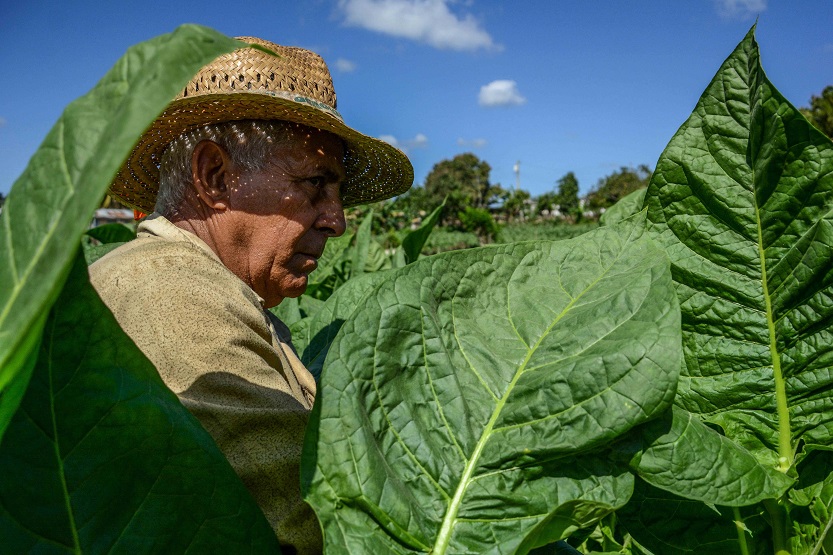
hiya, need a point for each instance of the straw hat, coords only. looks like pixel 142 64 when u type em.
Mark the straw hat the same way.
pixel 294 86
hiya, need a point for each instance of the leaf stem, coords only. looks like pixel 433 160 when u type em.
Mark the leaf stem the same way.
pixel 741 528
pixel 778 518
pixel 822 536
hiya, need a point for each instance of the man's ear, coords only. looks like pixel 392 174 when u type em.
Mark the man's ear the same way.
pixel 211 170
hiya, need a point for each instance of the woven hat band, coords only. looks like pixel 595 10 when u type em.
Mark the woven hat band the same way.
pixel 302 100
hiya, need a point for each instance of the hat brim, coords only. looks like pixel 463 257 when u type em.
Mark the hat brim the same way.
pixel 375 169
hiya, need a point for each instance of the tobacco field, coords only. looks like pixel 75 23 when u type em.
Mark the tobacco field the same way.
pixel 659 385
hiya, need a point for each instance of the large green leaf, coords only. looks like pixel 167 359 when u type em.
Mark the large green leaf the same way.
pixel 465 405
pixel 51 204
pixel 742 200
pixel 101 457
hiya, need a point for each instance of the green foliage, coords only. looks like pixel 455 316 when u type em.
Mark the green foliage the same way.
pixel 610 189
pixel 742 201
pixel 102 457
pixel 515 205
pixel 351 255
pixel 567 197
pixel 414 203
pixel 51 204
pixel 546 202
pixel 820 112
pixel 462 181
pixel 100 240
pixel 414 242
pixel 453 381
pixel 446 239
pixel 313 332
pixel 479 221
pixel 112 233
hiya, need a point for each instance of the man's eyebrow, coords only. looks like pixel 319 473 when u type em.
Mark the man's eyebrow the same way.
pixel 329 174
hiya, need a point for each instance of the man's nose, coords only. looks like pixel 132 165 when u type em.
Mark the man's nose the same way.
pixel 331 220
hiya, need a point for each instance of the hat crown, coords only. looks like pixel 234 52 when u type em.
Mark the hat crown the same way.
pixel 293 70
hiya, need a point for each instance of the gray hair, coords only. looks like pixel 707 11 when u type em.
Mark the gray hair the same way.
pixel 249 143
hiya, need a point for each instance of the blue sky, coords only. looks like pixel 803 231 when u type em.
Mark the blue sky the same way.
pixel 582 86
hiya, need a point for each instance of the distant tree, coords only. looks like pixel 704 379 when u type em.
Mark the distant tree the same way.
pixel 464 180
pixel 567 196
pixel 564 199
pixel 2 200
pixel 546 202
pixel 480 222
pixel 611 188
pixel 514 207
pixel 820 112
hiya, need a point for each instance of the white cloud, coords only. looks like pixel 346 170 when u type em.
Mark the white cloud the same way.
pixel 473 143
pixel 739 9
pixel 428 21
pixel 345 66
pixel 419 141
pixel 502 92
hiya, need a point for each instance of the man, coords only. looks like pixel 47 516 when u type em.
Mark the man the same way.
pixel 246 173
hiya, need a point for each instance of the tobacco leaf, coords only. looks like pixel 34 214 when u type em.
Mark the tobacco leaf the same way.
pixel 467 405
pixel 742 200
pixel 51 204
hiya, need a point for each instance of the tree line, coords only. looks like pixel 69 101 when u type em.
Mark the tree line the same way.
pixel 474 203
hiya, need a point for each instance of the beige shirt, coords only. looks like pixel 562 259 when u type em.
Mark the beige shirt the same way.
pixel 228 359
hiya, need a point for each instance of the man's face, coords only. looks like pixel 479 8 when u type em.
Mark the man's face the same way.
pixel 279 218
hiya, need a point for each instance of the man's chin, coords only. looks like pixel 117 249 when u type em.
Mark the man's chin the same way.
pixel 296 288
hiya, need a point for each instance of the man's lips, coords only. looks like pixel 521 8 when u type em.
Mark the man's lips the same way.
pixel 310 259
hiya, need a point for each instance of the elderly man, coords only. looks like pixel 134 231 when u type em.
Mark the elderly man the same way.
pixel 252 164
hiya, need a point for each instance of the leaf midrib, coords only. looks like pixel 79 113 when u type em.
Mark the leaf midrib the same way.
pixel 57 448
pixel 450 519
pixel 785 454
